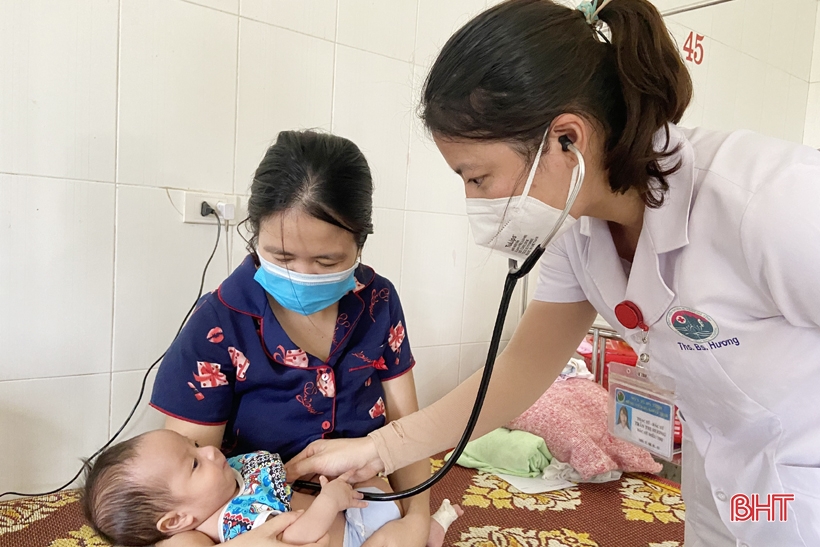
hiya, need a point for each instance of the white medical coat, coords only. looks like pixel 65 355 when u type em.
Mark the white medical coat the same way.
pixel 738 239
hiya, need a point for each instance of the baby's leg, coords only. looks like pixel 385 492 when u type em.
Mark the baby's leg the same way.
pixel 440 521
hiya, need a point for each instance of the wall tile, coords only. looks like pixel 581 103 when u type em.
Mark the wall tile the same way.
pixel 436 372
pixel 473 358
pixel 314 17
pixel 58 89
pixel 177 95
pixel 285 82
pixel 437 21
pixel 756 21
pixel 775 92
pixel 800 56
pixel 431 184
pixel 384 248
pixel 372 107
pixel 811 135
pixel 56 276
pixel 386 28
pixel 125 388
pixel 231 6
pixel 698 72
pixel 815 60
pixel 239 238
pixel 483 285
pixel 795 109
pixel 782 38
pixel 720 89
pixel 727 23
pixel 158 271
pixel 790 36
pixel 749 108
pixel 433 277
pixel 47 426
pixel 700 21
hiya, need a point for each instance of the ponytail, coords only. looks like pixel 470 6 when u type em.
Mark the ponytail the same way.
pixel 656 89
pixel 513 69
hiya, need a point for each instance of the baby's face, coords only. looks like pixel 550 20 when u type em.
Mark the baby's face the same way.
pixel 199 477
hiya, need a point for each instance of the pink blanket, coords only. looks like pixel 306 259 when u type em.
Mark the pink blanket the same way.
pixel 572 418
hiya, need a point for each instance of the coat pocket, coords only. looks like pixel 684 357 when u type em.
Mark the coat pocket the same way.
pixel 804 483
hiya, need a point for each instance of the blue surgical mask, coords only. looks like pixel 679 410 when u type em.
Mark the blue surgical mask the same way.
pixel 304 293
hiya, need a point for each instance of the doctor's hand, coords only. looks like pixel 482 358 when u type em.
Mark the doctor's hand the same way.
pixel 336 457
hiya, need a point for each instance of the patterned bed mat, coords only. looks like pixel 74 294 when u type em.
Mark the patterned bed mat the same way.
pixel 636 511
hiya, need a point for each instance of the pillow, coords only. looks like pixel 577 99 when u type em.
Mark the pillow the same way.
pixel 571 417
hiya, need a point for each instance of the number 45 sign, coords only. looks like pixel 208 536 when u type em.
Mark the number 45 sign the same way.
pixel 694 48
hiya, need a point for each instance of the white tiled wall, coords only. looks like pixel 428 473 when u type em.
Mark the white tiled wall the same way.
pixel 109 109
pixel 756 65
pixel 812 135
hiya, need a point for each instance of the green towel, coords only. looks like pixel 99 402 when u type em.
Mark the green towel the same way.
pixel 503 451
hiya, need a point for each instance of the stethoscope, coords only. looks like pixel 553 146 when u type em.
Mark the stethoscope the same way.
pixel 515 273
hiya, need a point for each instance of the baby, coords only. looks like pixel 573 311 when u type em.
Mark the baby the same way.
pixel 158 484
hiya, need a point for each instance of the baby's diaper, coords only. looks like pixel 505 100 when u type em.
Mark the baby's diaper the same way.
pixel 361 523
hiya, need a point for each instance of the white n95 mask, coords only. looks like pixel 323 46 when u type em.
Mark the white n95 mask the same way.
pixel 516 226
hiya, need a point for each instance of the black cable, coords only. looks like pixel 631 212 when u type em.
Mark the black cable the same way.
pixel 509 285
pixel 147 372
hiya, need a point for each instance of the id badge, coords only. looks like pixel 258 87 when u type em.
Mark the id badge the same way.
pixel 642 409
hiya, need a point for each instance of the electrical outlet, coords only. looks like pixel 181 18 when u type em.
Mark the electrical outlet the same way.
pixel 192 203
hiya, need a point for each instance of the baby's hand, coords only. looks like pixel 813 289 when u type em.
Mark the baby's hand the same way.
pixel 341 493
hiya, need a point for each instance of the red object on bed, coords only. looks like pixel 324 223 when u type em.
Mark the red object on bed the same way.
pixel 615 351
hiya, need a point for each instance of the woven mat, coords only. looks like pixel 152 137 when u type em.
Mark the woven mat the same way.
pixel 636 511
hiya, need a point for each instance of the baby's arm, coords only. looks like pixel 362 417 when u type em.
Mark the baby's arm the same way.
pixel 336 496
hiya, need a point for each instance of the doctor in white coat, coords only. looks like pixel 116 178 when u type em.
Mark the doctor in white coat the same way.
pixel 702 248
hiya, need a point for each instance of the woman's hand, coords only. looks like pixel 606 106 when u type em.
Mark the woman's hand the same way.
pixel 410 531
pixel 336 457
pixel 267 535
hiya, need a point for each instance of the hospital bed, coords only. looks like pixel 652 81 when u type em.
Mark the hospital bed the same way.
pixel 635 511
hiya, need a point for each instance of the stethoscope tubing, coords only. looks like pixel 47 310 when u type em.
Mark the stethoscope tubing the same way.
pixel 514 274
pixel 509 285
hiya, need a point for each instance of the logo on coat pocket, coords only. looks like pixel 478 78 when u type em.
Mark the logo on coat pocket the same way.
pixel 692 325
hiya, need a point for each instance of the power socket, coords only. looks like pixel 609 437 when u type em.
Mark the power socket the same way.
pixel 192 207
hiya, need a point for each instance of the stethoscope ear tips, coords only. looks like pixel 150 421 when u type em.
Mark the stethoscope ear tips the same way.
pixel 565 142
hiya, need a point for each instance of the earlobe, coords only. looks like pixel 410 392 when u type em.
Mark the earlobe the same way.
pixel 174 522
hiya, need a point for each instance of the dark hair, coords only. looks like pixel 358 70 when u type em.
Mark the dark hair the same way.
pixel 509 72
pixel 122 511
pixel 327 176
